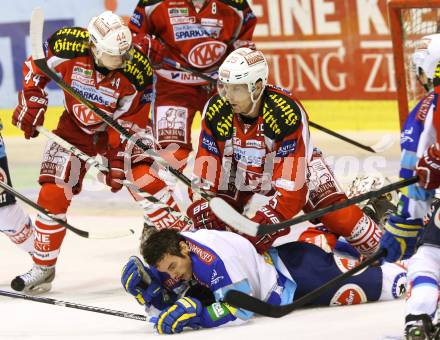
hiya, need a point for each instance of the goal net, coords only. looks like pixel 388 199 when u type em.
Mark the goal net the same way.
pixel 410 20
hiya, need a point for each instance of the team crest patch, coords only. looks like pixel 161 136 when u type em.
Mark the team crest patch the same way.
pixel 399 285
pixel 85 115
pixel 346 264
pixel 349 294
pixel 207 53
pixel 171 124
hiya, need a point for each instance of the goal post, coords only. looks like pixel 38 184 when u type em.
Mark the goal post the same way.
pixel 409 21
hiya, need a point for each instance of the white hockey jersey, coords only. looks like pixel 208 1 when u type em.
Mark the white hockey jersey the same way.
pixel 223 261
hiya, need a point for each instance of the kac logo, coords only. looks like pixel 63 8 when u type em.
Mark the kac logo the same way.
pixel 207 53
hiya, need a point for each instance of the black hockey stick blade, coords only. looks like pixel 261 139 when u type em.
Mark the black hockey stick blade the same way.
pixel 36 35
pixel 264 229
pixel 244 301
pixel 60 303
pixel 351 141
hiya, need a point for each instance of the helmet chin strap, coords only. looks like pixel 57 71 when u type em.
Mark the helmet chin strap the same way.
pixel 93 50
pixel 254 101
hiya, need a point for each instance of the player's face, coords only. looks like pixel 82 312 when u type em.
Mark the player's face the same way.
pixel 179 268
pixel 237 95
pixel 112 62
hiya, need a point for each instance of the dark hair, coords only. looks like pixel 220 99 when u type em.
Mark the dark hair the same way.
pixel 160 243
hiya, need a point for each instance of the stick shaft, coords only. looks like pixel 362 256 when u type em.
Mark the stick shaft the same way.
pixel 342 137
pixel 270 228
pixel 67 304
pixel 43 211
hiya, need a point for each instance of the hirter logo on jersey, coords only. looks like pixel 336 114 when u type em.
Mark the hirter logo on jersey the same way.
pixel 349 294
pixel 85 115
pixel 206 53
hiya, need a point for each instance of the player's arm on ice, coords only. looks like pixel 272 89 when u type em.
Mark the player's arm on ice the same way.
pixel 145 284
pixel 195 312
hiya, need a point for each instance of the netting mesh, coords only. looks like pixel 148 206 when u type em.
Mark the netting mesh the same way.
pixel 416 23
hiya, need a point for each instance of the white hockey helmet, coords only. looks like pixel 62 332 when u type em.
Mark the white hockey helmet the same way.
pixel 244 66
pixel 109 35
pixel 427 55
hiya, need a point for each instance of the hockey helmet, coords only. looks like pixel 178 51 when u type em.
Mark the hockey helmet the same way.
pixel 244 66
pixel 109 36
pixel 427 55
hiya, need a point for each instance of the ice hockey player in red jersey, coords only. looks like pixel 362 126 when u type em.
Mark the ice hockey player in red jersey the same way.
pixel 198 34
pixel 255 139
pixel 101 64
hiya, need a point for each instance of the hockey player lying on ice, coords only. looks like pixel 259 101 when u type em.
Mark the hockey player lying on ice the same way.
pixel 221 260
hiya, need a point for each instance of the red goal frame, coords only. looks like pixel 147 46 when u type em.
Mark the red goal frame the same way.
pixel 395 8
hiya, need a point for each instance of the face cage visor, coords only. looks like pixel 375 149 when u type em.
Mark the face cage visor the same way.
pixel 111 61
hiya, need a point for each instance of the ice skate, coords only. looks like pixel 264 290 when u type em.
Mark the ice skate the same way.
pixel 36 281
pixel 420 327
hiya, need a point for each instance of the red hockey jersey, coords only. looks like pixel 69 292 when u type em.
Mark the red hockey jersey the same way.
pixel 199 40
pixel 269 156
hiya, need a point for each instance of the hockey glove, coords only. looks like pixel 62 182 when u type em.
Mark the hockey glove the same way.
pixel 116 174
pixel 266 215
pixel 29 113
pixel 184 313
pixel 132 151
pixel 203 217
pixel 400 238
pixel 155 50
pixel 428 168
pixel 144 284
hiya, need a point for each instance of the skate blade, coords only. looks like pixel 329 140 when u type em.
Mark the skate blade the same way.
pixel 39 289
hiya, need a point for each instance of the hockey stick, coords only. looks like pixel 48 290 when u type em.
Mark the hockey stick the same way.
pixel 233 218
pixel 36 37
pixel 241 300
pixel 384 144
pixel 79 232
pixel 100 169
pixel 67 304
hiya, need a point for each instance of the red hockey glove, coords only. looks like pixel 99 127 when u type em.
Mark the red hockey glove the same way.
pixel 266 215
pixel 29 113
pixel 116 174
pixel 135 153
pixel 244 43
pixel 151 46
pixel 428 168
pixel 203 217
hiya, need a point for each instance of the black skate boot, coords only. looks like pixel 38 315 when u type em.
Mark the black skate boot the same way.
pixel 419 327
